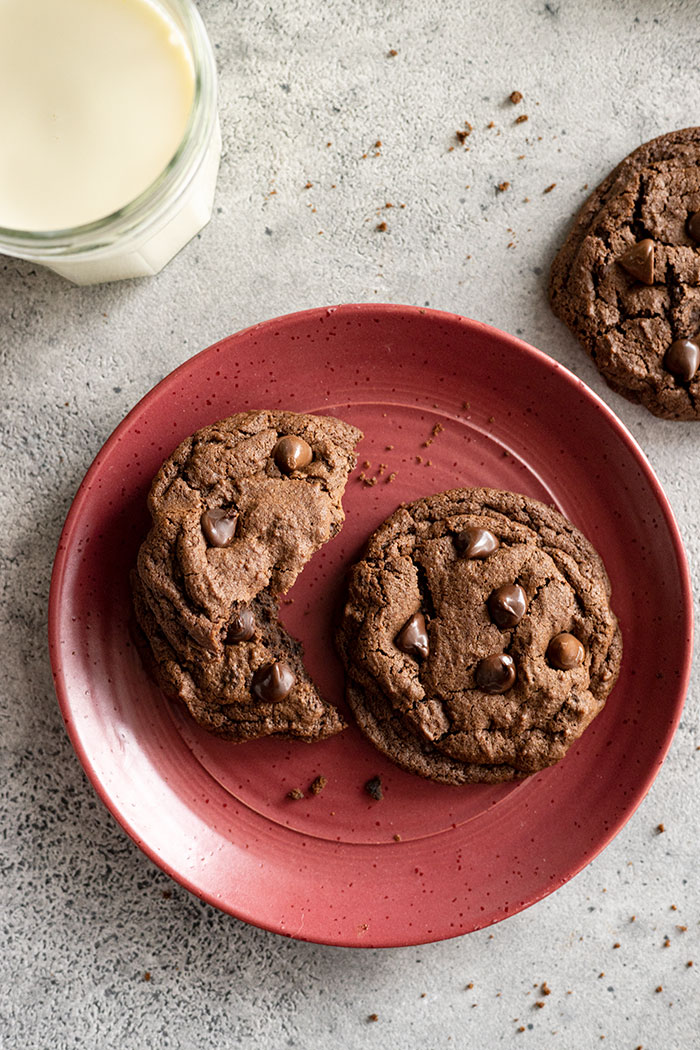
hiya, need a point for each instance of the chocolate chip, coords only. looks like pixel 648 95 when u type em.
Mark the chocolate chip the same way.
pixel 639 261
pixel 413 637
pixel 476 543
pixel 273 682
pixel 373 788
pixel 507 605
pixel 219 526
pixel 683 358
pixel 495 674
pixel 292 453
pixel 693 226
pixel 241 628
pixel 565 651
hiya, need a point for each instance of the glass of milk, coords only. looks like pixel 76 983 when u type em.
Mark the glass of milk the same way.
pixel 110 140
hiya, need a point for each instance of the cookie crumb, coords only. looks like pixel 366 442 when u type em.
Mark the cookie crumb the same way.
pixel 392 477
pixel 689 962
pixel 463 135
pixel 681 929
pixel 515 97
pixel 470 985
pixel 392 52
pixel 166 894
pixel 539 1004
pixel 373 1017
pixel 546 990
pixel 147 975
pixel 503 186
pixel 296 794
pixel 522 118
pixel 308 185
pixel 373 787
pixel 317 785
pixel 397 837
pixel 660 829
pixel 381 227
pixel 521 1028
pixel 616 944
pixel 659 988
pixel 549 188
pixel 667 943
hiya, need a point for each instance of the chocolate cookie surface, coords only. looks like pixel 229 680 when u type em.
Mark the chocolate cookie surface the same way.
pixel 477 636
pixel 627 279
pixel 237 511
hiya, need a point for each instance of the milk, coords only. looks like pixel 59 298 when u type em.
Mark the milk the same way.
pixel 96 98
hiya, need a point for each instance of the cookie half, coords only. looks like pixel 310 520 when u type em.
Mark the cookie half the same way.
pixel 237 511
pixel 477 636
pixel 627 279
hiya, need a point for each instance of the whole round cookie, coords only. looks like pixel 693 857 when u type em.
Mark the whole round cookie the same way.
pixel 477 636
pixel 627 279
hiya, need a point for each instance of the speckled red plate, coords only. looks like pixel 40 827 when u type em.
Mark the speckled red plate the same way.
pixel 329 868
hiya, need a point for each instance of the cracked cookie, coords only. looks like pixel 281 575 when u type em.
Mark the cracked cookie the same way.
pixel 627 279
pixel 237 511
pixel 477 636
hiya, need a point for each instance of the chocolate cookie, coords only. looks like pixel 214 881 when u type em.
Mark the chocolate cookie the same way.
pixel 477 636
pixel 627 279
pixel 237 511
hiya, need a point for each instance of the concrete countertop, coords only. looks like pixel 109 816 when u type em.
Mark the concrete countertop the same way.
pixel 306 91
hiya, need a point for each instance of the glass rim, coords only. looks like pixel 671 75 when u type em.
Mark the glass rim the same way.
pixel 146 208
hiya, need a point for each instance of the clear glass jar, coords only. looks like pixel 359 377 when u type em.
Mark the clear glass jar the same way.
pixel 140 238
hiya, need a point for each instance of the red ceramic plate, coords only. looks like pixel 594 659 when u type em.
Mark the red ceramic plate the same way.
pixel 443 402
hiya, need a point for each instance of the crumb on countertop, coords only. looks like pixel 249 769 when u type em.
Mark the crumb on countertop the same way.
pixel 316 786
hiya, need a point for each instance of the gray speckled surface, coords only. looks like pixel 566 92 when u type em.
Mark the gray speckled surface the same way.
pixel 84 912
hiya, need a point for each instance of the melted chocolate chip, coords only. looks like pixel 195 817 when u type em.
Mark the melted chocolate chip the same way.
pixel 639 261
pixel 565 652
pixel 693 226
pixel 292 453
pixel 495 674
pixel 683 358
pixel 219 526
pixel 413 637
pixel 241 628
pixel 507 605
pixel 273 682
pixel 476 543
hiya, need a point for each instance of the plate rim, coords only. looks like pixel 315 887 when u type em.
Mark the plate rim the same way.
pixel 509 341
